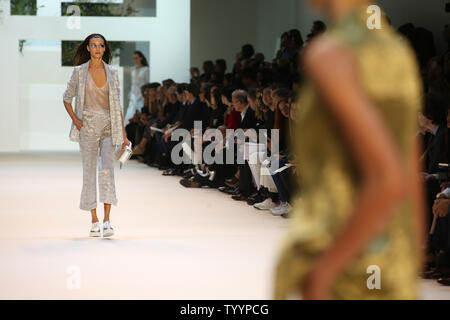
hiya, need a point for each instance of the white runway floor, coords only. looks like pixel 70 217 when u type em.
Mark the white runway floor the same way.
pixel 170 242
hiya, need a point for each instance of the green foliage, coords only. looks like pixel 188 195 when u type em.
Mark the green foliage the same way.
pixel 23 7
pixel 104 9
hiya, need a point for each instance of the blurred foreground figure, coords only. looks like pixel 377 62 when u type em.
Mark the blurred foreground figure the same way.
pixel 356 230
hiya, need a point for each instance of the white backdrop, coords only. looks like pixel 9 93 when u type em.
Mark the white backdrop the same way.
pixel 32 114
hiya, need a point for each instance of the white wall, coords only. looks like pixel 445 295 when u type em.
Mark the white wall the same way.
pixel 32 114
pixel 290 14
pixel 220 28
pixel 429 14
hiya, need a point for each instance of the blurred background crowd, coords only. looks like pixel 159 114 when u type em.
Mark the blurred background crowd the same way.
pixel 259 92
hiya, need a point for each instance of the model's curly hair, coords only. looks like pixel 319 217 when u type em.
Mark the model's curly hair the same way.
pixel 82 55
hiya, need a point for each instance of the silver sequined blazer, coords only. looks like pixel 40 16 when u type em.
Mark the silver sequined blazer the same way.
pixel 75 88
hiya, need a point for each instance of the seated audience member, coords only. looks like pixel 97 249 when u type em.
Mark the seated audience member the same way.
pixel 260 168
pixel 218 109
pixel 149 146
pixel 194 112
pixel 243 58
pixel 439 266
pixel 283 180
pixel 248 121
pixel 433 122
pixel 232 118
pixel 220 66
pixel 132 127
pixel 317 28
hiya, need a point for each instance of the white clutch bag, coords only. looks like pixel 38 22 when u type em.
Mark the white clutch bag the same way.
pixel 124 155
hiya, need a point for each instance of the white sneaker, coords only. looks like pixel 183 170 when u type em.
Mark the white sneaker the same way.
pixel 282 209
pixel 265 205
pixel 108 230
pixel 95 230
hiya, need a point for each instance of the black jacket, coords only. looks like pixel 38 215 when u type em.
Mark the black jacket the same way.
pixel 436 148
pixel 194 112
pixel 249 121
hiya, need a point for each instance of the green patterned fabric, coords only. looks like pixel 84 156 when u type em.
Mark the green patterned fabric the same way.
pixel 329 178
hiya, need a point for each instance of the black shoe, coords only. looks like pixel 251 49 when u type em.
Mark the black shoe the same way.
pixel 153 164
pixel 236 191
pixel 436 273
pixel 223 188
pixel 168 172
pixel 239 197
pixel 232 191
pixel 256 197
pixel 431 274
pixel 190 183
pixel 444 281
pixel 233 182
pixel 178 172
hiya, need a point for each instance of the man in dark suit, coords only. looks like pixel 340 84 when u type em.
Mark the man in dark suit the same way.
pixel 434 122
pixel 194 112
pixel 240 104
pixel 248 121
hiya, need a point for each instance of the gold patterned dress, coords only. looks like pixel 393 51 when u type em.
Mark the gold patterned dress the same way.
pixel 329 177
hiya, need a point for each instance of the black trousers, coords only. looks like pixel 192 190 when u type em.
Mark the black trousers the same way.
pixel 246 186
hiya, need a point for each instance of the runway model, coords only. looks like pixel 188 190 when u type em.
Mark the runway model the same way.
pixel 357 230
pixel 97 124
pixel 140 73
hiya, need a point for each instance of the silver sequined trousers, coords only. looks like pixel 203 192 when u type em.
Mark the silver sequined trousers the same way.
pixel 95 143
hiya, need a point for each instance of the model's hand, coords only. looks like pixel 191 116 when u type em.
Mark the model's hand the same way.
pixel 125 143
pixel 78 123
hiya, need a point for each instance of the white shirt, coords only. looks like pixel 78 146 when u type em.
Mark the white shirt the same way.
pixel 446 192
pixel 243 113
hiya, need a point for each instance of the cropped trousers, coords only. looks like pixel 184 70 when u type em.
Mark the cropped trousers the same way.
pixel 95 143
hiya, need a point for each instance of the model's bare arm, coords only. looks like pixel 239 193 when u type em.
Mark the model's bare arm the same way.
pixel 384 182
pixel 69 110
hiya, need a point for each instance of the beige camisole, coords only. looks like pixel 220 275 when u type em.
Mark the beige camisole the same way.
pixel 96 98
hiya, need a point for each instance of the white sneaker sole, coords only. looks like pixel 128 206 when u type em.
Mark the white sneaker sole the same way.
pixel 263 208
pixel 108 233
pixel 94 234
